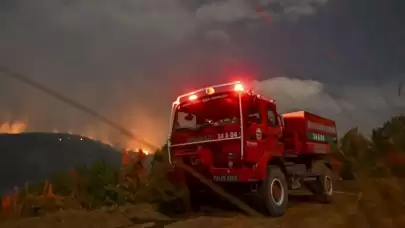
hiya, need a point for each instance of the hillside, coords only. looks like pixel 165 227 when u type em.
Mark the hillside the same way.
pixel 371 193
pixel 352 208
pixel 36 156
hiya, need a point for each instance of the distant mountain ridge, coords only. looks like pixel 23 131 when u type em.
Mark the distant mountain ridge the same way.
pixel 36 156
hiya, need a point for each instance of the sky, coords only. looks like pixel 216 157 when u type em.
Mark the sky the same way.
pixel 129 59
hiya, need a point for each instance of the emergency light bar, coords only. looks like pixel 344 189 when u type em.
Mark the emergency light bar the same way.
pixel 233 86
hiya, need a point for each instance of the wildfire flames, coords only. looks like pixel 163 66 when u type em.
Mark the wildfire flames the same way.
pixel 17 127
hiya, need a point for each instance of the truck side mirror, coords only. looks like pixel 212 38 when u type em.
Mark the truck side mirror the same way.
pixel 281 121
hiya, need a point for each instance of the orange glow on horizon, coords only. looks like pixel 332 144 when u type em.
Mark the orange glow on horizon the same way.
pixel 97 133
pixel 14 127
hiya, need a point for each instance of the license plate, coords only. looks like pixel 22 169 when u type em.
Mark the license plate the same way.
pixel 225 178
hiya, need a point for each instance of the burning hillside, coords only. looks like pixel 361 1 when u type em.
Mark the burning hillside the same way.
pixel 95 132
pixel 13 127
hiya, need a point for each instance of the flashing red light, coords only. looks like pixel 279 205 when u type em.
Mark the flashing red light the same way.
pixel 239 87
pixel 192 97
pixel 210 91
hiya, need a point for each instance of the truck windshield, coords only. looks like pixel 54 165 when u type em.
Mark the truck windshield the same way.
pixel 206 113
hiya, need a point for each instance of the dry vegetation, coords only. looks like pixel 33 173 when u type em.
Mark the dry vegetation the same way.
pixel 101 196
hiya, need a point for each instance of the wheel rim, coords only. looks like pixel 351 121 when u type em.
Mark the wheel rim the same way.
pixel 277 192
pixel 328 186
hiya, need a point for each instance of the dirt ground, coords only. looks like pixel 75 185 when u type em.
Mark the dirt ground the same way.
pixel 352 207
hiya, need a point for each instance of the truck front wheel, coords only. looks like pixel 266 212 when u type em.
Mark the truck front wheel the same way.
pixel 275 192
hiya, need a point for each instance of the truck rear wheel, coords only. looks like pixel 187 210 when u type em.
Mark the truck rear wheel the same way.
pixel 322 188
pixel 275 192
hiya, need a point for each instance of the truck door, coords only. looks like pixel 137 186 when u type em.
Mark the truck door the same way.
pixel 255 126
pixel 272 130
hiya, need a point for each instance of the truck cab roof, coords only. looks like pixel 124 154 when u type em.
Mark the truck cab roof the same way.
pixel 236 86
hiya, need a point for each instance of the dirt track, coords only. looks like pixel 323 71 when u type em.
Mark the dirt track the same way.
pixel 347 211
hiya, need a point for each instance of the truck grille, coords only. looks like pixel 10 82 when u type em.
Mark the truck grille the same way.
pixel 220 152
pixel 219 157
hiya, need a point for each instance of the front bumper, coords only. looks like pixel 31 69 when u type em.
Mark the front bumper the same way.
pixel 202 162
pixel 243 174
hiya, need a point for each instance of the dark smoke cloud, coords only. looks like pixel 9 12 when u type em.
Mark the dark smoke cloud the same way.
pixel 128 59
pixel 364 106
pixel 122 58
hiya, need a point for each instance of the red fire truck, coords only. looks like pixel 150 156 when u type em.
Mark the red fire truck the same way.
pixel 237 138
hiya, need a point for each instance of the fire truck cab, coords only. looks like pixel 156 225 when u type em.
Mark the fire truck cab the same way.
pixel 237 139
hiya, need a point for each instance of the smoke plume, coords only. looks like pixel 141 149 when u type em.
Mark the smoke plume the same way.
pixel 129 59
pixel 364 106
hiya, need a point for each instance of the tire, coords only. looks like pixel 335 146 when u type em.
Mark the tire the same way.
pixel 322 188
pixel 275 192
pixel 198 199
pixel 195 199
